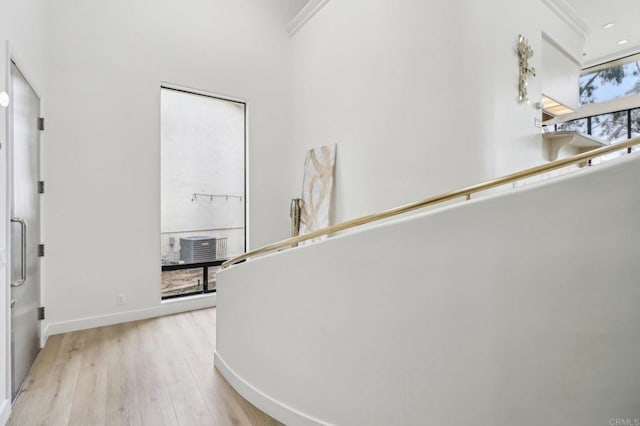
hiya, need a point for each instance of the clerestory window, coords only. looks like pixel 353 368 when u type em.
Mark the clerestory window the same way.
pixel 611 80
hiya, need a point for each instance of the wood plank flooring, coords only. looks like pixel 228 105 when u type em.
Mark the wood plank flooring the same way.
pixel 154 372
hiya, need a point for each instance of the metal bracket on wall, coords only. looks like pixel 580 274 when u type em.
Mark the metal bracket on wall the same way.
pixel 195 196
pixel 40 250
pixel 41 187
pixel 41 313
pixel 40 123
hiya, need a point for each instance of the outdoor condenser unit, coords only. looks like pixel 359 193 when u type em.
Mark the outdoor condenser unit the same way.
pixel 197 249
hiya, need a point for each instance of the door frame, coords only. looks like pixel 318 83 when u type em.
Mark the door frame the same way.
pixel 13 57
pixel 5 217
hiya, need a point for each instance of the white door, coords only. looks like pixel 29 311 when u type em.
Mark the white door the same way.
pixel 25 228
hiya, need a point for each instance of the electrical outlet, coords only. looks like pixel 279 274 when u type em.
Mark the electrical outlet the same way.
pixel 120 299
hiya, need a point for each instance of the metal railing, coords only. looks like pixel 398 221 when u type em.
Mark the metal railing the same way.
pixel 464 192
pixel 617 124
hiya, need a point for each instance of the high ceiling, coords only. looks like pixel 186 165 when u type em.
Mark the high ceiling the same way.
pixel 602 44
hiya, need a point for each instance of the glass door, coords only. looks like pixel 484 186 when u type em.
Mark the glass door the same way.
pixel 25 228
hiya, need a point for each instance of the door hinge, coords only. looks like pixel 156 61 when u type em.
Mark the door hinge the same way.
pixel 41 313
pixel 40 250
pixel 40 123
pixel 41 187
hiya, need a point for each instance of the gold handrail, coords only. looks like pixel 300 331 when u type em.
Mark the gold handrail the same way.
pixel 464 192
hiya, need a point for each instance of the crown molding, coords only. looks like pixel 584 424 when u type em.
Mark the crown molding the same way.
pixel 562 50
pixel 305 15
pixel 610 57
pixel 566 12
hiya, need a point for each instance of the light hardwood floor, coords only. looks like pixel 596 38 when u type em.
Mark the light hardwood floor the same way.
pixel 154 372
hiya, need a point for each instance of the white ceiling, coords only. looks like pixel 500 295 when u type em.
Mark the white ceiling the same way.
pixel 602 45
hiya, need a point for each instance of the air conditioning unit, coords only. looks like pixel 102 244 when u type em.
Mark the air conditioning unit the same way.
pixel 197 249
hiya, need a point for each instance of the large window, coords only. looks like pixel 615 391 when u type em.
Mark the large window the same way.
pixel 610 81
pixel 203 188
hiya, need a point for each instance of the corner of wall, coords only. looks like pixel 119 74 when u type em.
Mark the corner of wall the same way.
pixel 305 15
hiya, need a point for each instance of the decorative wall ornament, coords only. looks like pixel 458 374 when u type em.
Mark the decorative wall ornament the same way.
pixel 317 188
pixel 295 213
pixel 525 52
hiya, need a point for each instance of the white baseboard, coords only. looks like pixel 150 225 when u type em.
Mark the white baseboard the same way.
pixel 264 402
pixel 172 306
pixel 5 411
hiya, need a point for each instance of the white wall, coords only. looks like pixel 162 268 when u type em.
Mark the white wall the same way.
pixel 106 61
pixel 519 308
pixel 559 75
pixel 421 97
pixel 22 23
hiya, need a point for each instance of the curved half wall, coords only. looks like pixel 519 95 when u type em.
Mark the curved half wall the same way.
pixel 518 308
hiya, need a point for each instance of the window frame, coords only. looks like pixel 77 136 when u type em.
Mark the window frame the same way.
pixel 218 262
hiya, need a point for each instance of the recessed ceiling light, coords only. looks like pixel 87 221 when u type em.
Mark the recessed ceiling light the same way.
pixel 623 41
pixel 608 25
